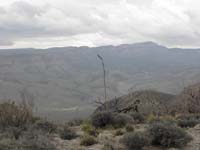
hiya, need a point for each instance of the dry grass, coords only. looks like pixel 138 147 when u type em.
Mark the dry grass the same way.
pixel 12 115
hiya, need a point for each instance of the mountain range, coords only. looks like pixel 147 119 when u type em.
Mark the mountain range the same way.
pixel 64 82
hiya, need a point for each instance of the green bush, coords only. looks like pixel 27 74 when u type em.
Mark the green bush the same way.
pixel 135 140
pixel 88 140
pixel 89 129
pixel 129 128
pixel 102 119
pixel 151 118
pixel 167 135
pixel 67 133
pixel 138 117
pixel 86 127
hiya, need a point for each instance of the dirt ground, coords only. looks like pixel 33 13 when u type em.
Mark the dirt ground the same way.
pixel 107 136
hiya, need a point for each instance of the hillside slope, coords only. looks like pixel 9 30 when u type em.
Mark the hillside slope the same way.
pixel 65 81
pixel 188 101
pixel 146 102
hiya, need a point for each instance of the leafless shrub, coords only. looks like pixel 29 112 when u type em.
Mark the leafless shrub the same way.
pixel 13 115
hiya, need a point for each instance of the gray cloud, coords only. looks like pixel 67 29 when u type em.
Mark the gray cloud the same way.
pixel 99 22
pixel 6 43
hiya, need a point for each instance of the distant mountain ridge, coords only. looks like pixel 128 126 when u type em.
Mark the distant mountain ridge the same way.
pixel 71 77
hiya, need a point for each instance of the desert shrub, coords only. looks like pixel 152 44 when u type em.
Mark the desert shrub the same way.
pixel 13 132
pixel 67 133
pixel 119 132
pixel 45 125
pixel 75 122
pixel 20 130
pixel 183 117
pixel 8 144
pixel 152 118
pixel 29 140
pixel 12 115
pixel 188 117
pixel 89 129
pixel 138 117
pixel 155 119
pixel 35 140
pixel 196 116
pixel 5 135
pixel 120 120
pixel 135 140
pixel 167 118
pixel 108 146
pixel 104 119
pixel 88 140
pixel 167 135
pixel 129 128
pixel 185 121
pixel 85 127
pixel 101 119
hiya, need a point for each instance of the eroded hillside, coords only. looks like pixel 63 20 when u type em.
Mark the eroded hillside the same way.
pixel 64 82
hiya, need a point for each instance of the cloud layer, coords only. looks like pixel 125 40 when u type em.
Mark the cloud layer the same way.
pixel 49 23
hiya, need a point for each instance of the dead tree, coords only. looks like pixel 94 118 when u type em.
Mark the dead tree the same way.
pixel 104 78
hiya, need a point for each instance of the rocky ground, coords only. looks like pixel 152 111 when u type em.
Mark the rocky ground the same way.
pixel 195 133
pixel 108 136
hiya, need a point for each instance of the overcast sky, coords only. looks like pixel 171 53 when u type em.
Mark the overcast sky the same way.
pixel 50 23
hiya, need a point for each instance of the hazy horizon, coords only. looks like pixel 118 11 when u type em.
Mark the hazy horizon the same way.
pixel 76 46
